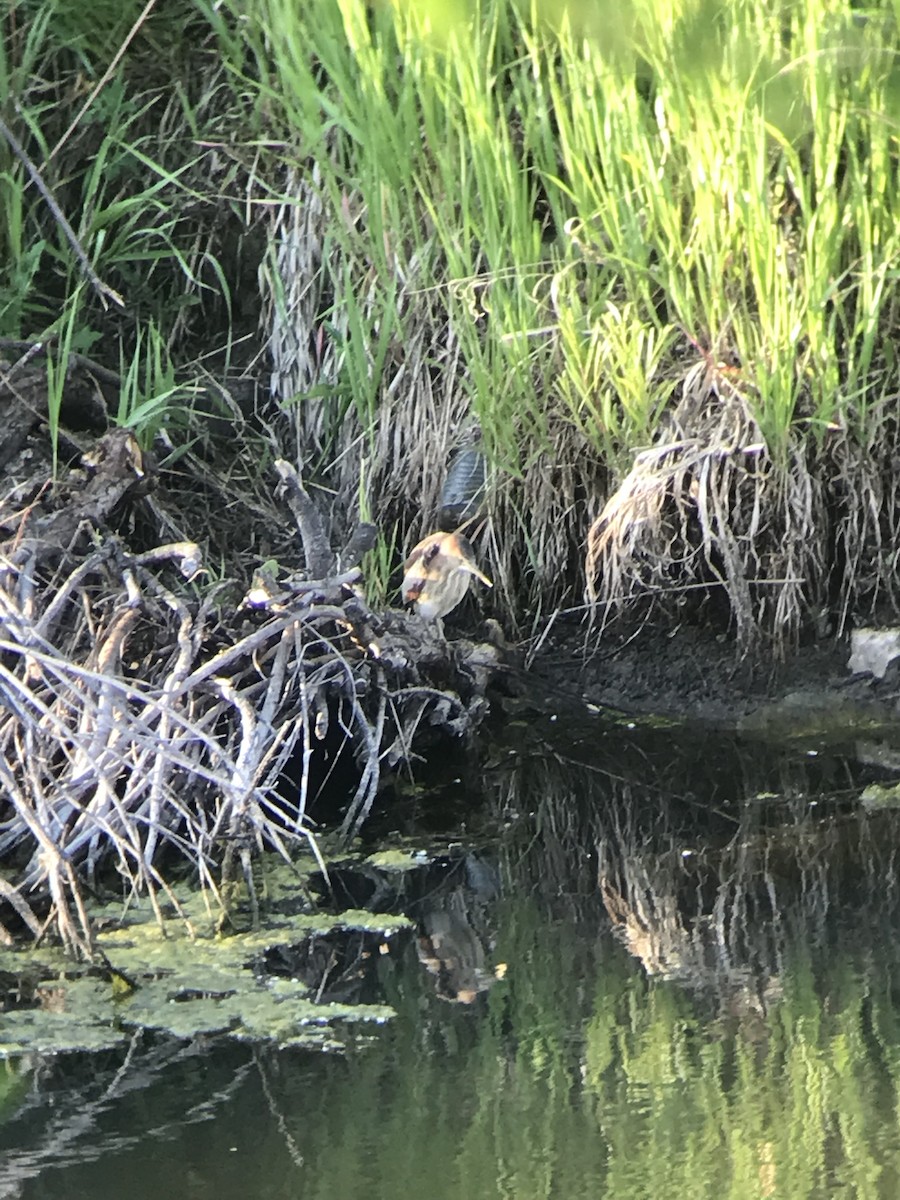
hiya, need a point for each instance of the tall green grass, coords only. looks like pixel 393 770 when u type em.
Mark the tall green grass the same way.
pixel 540 216
pixel 129 175
pixel 722 169
pixel 600 196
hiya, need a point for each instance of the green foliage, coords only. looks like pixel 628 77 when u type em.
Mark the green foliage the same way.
pixel 570 207
pixel 561 207
pixel 126 174
pixel 378 563
pixel 149 392
pixel 58 364
pixel 717 168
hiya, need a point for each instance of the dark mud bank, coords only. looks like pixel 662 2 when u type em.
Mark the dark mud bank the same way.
pixel 693 674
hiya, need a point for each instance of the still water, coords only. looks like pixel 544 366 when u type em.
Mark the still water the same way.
pixel 654 963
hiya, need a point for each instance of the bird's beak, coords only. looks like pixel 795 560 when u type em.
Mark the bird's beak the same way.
pixel 457 549
pixel 464 565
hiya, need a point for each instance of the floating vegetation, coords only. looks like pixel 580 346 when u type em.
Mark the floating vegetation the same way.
pixel 190 978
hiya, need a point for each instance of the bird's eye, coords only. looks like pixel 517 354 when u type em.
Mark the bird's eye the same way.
pixel 431 552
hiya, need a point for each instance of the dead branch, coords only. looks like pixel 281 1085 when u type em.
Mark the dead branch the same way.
pixel 319 558
pixel 113 746
pixel 141 717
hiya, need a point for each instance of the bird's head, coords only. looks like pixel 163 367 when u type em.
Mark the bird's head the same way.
pixel 438 572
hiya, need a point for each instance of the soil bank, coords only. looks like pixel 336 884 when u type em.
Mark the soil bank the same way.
pixel 694 674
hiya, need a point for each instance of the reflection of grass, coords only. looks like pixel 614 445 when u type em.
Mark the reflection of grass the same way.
pixel 782 1105
pixel 578 1078
pixel 732 1043
pixel 573 1078
pixel 13 1090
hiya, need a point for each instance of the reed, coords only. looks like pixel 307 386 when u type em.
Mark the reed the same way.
pixel 615 240
pixel 593 231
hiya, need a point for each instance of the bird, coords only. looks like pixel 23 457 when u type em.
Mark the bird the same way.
pixel 437 574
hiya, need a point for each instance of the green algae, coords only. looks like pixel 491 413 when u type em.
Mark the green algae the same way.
pixel 254 1010
pixel 398 861
pixel 192 977
pixel 73 1013
pixel 818 714
pixel 878 797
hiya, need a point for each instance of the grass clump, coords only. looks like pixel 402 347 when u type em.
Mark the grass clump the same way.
pixel 584 240
pixel 636 238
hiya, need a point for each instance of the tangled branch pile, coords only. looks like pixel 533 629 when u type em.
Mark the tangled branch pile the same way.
pixel 149 716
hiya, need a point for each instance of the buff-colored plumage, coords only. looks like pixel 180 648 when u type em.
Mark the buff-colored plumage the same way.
pixel 437 574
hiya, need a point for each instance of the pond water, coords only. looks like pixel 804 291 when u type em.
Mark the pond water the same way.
pixel 646 962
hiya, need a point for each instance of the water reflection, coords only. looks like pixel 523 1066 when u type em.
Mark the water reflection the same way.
pixel 669 968
pixel 455 934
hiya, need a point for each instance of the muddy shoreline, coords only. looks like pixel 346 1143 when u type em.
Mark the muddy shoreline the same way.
pixel 695 674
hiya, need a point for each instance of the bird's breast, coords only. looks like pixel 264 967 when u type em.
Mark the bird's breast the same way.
pixel 428 607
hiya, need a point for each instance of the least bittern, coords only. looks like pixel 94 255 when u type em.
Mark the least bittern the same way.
pixel 437 574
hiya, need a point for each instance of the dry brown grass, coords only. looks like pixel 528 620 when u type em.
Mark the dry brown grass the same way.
pixel 706 504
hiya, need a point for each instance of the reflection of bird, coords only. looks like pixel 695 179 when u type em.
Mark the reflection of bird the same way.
pixel 437 574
